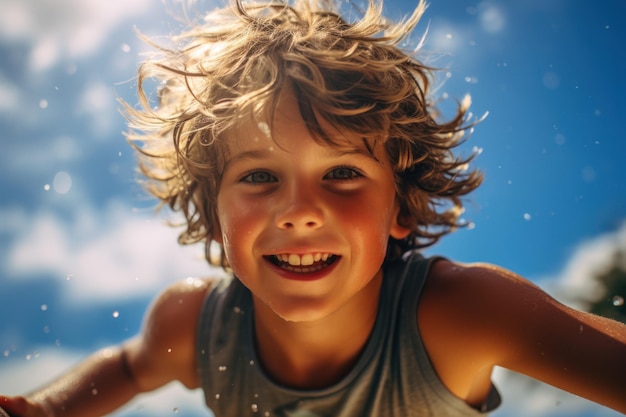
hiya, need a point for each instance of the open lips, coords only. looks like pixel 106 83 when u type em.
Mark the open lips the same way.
pixel 309 262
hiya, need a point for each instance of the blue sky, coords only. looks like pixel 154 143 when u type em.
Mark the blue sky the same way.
pixel 82 254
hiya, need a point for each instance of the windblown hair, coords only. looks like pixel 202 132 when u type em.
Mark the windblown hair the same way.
pixel 353 75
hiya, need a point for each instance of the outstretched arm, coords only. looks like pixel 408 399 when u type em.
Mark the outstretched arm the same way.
pixel 502 319
pixel 164 351
pixel 98 385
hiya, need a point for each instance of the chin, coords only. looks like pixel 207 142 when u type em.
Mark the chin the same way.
pixel 301 311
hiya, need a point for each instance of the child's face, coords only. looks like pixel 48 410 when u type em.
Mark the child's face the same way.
pixel 303 225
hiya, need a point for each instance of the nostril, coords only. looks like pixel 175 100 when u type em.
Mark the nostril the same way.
pixel 299 216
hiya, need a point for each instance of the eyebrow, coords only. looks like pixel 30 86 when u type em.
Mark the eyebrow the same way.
pixel 259 154
pixel 253 154
pixel 256 154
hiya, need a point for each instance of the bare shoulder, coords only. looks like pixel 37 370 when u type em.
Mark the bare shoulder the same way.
pixel 165 348
pixel 490 299
pixel 496 306
pixel 500 318
pixel 481 279
pixel 462 306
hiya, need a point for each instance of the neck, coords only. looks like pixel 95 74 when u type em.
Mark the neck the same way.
pixel 315 355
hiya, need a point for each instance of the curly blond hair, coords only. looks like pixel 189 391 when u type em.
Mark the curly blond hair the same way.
pixel 353 75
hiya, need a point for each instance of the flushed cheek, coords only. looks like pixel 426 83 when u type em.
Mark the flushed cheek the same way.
pixel 236 230
pixel 236 235
pixel 370 234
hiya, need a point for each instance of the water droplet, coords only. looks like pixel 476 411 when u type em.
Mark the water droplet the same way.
pixel 254 408
pixel 527 216
pixel 116 314
pixel 237 310
pixel 126 48
pixel 266 414
pixel 222 368
pixel 68 277
pixel 44 307
pixel 265 129
pixel 94 391
pixel 559 139
pixel 251 363
pixel 28 357
pixel 43 103
pixel 62 182
pixel 6 353
pixel 217 396
pixel 617 301
pixel 46 187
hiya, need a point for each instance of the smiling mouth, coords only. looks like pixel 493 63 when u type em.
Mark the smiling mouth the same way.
pixel 310 262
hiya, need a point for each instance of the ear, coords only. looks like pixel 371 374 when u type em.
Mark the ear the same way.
pixel 396 230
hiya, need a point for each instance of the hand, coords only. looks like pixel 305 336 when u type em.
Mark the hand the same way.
pixel 19 407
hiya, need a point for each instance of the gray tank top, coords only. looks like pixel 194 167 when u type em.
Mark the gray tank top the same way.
pixel 393 376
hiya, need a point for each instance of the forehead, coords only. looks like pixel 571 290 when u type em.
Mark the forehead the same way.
pixel 286 128
pixel 261 139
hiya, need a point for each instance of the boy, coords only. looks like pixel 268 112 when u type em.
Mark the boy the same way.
pixel 305 153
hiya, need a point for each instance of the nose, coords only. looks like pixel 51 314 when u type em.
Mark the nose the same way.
pixel 299 208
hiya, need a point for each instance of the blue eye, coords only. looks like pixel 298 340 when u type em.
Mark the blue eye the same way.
pixel 259 177
pixel 343 173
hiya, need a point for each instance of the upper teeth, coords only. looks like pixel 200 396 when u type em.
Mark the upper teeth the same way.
pixel 307 259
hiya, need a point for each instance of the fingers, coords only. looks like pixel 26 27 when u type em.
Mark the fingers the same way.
pixel 14 406
pixel 4 402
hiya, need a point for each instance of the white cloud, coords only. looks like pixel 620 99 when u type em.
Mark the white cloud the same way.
pixel 103 256
pixel 72 28
pixel 523 397
pixel 575 284
pixel 10 97
pixel 23 374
